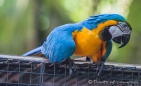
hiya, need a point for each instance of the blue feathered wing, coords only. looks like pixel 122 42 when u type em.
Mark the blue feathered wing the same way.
pixel 58 46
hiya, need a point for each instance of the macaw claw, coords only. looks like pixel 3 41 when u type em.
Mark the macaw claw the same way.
pixel 100 66
pixel 70 64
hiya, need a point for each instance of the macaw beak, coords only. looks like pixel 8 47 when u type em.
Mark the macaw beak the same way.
pixel 123 40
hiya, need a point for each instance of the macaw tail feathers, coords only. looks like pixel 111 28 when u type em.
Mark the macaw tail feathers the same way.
pixel 34 52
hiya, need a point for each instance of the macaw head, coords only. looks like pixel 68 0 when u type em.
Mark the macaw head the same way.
pixel 110 27
pixel 119 33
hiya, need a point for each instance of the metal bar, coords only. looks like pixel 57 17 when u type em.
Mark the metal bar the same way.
pixel 30 72
pixel 77 76
pixel 65 82
pixel 54 74
pixel 25 68
pixel 88 74
pixel 42 69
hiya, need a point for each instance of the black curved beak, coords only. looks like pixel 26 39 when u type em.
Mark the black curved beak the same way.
pixel 123 40
pixel 126 32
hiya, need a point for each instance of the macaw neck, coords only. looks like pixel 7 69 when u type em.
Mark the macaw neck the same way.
pixel 98 28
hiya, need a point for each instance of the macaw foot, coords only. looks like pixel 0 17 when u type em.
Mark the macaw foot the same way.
pixel 100 66
pixel 70 64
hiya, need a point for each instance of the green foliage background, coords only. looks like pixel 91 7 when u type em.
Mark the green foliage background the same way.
pixel 24 24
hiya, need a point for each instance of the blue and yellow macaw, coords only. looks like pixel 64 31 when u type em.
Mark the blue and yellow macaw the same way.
pixel 91 37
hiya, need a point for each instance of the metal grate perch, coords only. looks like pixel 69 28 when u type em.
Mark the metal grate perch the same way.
pixel 36 71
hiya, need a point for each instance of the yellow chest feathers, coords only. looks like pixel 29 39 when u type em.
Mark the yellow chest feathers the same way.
pixel 87 42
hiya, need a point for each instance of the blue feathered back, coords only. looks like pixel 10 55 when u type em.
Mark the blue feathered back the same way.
pixel 93 21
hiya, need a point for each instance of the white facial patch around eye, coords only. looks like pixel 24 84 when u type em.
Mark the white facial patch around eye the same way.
pixel 115 31
pixel 124 28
